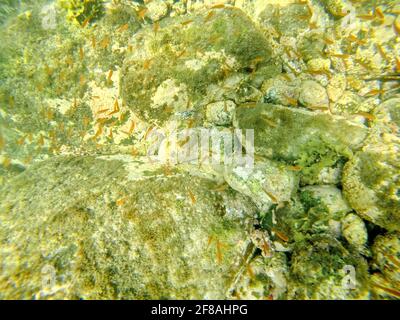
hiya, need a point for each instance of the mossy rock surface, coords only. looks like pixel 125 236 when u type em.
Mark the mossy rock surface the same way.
pixel 371 182
pixel 117 229
pixel 194 53
pixel 318 271
pixel 312 141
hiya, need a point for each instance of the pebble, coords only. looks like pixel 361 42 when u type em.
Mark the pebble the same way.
pixel 313 95
pixel 336 87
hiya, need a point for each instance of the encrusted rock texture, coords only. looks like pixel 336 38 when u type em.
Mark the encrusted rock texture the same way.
pixel 89 211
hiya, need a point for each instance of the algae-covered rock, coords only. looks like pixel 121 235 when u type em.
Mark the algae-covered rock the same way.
pixel 117 228
pixel 221 113
pixel 197 52
pixel 266 183
pixel 371 181
pixel 315 211
pixel 313 141
pixel 313 95
pixel 83 10
pixel 324 269
pixel 330 196
pixel 354 231
pixel 386 259
pixel 262 278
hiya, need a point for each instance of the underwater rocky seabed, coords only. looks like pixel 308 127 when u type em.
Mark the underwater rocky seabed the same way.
pixel 84 83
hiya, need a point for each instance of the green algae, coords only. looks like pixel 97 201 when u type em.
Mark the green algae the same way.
pixel 44 70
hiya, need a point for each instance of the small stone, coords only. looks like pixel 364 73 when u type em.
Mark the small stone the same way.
pixel 354 230
pixel 338 8
pixel 349 103
pixel 331 197
pixel 313 95
pixel 266 184
pixel 319 64
pixel 157 10
pixel 221 113
pixel 336 87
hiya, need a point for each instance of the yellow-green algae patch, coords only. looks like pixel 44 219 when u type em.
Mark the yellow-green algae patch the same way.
pixel 109 237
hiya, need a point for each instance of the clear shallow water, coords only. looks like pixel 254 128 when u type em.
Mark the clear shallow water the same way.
pixel 87 91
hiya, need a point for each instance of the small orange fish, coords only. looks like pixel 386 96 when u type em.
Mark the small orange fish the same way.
pixel 82 80
pixel 149 129
pixel 132 127
pixel 395 261
pixel 257 60
pixel 221 187
pixel 86 121
pixel 328 40
pixel 366 115
pixel 295 168
pixel 21 141
pixel 49 114
pixel 85 23
pixel 379 14
pixel 280 235
pixel 218 6
pixel 105 43
pixel 340 55
pixel 248 105
pixel 192 197
pixel 362 63
pixel 396 26
pixel 265 247
pixel 142 13
pixel 116 105
pixel 102 111
pixel 2 142
pixel 184 141
pixel 291 101
pixel 313 25
pixel 98 132
pixel 368 17
pixel 180 54
pixel 81 53
pixel 156 27
pixel 11 101
pixel 391 291
pixel 209 16
pixel 397 64
pixel 250 271
pixel 167 170
pixel 146 64
pixel 374 92
pixel 185 23
pixel 134 152
pixel 381 52
pixel 354 38
pixel 268 121
pixel 120 202
pixel 6 162
pixel 304 17
pixel 219 252
pixel 209 241
pixel 110 74
pixel 123 27
pixel 272 197
pixel 28 160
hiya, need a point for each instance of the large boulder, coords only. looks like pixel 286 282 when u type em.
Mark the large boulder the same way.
pixel 117 228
